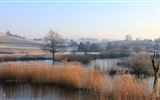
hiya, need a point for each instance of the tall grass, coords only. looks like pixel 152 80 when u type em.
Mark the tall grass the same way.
pixel 72 74
pixel 127 88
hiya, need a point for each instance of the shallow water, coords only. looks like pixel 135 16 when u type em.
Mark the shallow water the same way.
pixel 103 64
pixel 28 91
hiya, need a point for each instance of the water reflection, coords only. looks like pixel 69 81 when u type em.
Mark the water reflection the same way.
pixel 50 92
pixel 28 91
pixel 102 63
pixel 50 62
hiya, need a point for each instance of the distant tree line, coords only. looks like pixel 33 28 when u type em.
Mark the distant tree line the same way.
pixel 120 49
pixel 157 40
pixel 8 33
pixel 88 47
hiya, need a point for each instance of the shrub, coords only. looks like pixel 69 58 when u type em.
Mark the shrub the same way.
pixel 139 63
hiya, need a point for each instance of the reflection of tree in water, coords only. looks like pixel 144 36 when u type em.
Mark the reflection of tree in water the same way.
pixel 27 91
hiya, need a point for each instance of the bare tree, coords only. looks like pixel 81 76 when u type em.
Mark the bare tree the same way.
pixel 53 42
pixel 124 50
pixel 128 37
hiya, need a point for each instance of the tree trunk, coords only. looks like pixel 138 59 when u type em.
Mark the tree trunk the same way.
pixel 53 57
pixel 156 69
pixel 155 87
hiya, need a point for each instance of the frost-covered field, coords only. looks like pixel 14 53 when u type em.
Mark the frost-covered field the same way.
pixel 13 42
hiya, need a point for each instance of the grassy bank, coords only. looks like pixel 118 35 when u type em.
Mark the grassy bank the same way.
pixel 24 57
pixel 72 74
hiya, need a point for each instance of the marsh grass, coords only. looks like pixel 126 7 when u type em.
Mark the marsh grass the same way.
pixel 126 87
pixel 70 74
pixel 73 75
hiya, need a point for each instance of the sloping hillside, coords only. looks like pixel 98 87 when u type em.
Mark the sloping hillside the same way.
pixel 13 42
pixel 1 34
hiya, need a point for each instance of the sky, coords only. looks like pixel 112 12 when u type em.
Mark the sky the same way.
pixel 87 19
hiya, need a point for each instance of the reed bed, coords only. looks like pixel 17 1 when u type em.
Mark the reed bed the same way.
pixel 74 75
pixel 126 87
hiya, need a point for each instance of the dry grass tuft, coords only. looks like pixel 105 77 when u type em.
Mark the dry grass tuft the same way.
pixel 95 79
pixel 70 74
pixel 126 87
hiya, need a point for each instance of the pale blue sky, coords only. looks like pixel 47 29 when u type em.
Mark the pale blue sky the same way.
pixel 110 20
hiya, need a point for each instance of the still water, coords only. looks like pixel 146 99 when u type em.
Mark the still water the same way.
pixel 103 64
pixel 43 92
pixel 25 91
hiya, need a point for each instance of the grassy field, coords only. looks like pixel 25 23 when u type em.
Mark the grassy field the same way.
pixel 21 51
pixel 73 75
pixel 17 43
pixel 25 57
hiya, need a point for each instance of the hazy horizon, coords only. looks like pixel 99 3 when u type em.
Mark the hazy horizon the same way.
pixel 101 20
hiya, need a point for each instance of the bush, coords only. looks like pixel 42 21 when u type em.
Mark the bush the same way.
pixel 139 63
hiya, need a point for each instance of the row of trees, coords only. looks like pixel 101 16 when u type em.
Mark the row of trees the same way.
pixel 128 37
pixel 14 35
pixel 117 49
pixel 88 47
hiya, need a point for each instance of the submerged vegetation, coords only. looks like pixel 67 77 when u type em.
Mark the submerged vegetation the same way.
pixel 73 75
